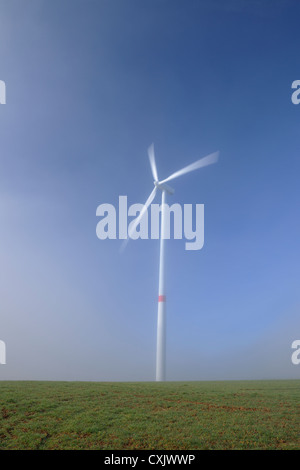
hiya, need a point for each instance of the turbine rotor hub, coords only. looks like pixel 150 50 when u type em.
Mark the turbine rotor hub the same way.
pixel 164 187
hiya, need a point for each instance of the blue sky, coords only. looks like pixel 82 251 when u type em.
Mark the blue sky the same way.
pixel 90 85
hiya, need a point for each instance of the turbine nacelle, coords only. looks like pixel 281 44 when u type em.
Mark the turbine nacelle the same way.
pixel 164 187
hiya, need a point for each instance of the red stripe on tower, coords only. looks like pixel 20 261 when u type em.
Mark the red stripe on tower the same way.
pixel 161 298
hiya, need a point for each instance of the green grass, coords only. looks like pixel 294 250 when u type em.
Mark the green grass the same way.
pixel 170 415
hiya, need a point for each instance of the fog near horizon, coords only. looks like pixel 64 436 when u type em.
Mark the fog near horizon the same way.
pixel 89 88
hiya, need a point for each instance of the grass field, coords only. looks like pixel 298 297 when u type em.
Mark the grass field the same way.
pixel 170 415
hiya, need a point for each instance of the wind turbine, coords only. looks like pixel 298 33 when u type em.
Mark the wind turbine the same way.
pixel 165 189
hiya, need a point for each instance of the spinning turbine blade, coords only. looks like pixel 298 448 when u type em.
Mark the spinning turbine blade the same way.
pixel 208 160
pixel 152 162
pixel 135 223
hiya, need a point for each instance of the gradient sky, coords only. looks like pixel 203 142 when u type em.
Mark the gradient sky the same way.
pixel 90 85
